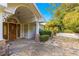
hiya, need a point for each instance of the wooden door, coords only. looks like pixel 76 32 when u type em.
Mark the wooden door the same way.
pixel 12 31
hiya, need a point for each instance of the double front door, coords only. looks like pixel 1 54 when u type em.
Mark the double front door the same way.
pixel 11 31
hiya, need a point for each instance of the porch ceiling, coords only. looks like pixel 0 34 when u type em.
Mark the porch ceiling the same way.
pixel 24 14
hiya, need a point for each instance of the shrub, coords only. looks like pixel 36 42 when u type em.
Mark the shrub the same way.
pixel 45 32
pixel 44 38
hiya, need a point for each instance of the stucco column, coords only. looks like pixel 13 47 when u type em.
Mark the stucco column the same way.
pixel 21 31
pixel 28 30
pixel 37 31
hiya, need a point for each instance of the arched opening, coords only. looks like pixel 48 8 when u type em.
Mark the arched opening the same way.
pixel 27 19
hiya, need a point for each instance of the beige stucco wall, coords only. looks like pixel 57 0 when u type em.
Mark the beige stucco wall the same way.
pixel 32 30
pixel 29 30
pixel 26 31
pixel 1 24
pixel 1 10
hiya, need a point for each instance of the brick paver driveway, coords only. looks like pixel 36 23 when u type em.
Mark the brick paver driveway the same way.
pixel 24 47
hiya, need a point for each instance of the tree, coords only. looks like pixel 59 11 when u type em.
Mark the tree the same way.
pixel 71 21
pixel 66 18
pixel 54 25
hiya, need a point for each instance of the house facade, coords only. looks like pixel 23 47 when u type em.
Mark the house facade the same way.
pixel 19 20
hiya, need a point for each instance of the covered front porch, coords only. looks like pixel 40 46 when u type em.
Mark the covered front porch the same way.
pixel 21 23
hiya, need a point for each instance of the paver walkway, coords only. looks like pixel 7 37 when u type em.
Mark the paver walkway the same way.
pixel 53 47
pixel 24 47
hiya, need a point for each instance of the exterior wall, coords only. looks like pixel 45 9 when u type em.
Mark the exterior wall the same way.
pixel 32 30
pixel 2 41
pixel 26 31
pixel 1 26
pixel 29 30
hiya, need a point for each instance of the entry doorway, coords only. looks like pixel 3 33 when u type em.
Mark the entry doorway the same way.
pixel 11 31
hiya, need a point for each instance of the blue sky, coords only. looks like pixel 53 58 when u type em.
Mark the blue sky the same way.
pixel 46 14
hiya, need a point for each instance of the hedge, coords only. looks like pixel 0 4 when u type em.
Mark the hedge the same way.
pixel 45 32
pixel 44 38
